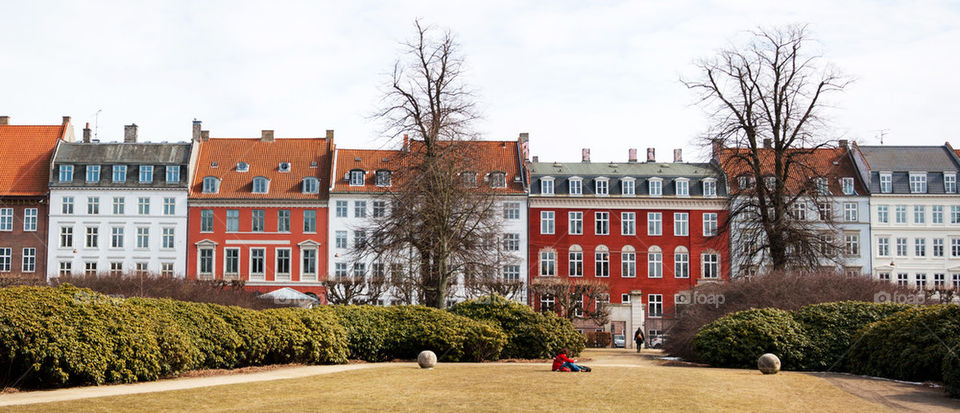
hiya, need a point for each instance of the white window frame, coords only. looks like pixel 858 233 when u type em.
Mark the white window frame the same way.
pixel 226 258
pixel 172 173
pixel 548 222
pixel 601 224
pixel 548 263
pixel 277 275
pixel 575 222
pixel 628 186
pixel 886 182
pixel 262 252
pixel 575 261
pixel 628 262
pixel 30 217
pixel 146 174
pixel 356 177
pixel 601 262
pixel 654 262
pixel 950 182
pixel 655 187
pixel 547 185
pixel 710 224
pixel 851 212
pixel 918 182
pixel 601 186
pixel 681 262
pixel 654 224
pixel 681 224
pixel 846 185
pixel 682 187
pixel 628 223
pixel 575 182
pixel 119 173
pixel 705 264
pixel 93 173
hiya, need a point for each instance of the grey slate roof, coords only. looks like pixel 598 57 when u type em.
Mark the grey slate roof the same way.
pixel 615 172
pixel 162 156
pixel 901 160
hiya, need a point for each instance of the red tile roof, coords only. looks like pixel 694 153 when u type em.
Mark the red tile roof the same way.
pixel 307 157
pixel 821 162
pixel 494 156
pixel 26 152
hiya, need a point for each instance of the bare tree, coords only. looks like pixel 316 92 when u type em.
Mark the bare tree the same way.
pixel 443 220
pixel 571 299
pixel 355 289
pixel 766 101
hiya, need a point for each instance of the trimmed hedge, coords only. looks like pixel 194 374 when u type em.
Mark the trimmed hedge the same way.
pixel 831 328
pixel 739 339
pixel 951 373
pixel 530 335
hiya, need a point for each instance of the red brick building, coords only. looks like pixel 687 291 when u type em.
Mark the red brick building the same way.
pixel 649 230
pixel 258 211
pixel 24 173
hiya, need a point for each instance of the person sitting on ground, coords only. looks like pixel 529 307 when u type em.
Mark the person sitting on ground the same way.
pixel 564 363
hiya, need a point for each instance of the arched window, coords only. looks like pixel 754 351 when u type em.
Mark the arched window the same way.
pixel 654 262
pixel 498 179
pixel 602 261
pixel 576 260
pixel 628 262
pixel 311 185
pixel 211 185
pixel 261 185
pixel 681 262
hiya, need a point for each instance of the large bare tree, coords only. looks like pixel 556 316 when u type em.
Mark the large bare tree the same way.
pixel 767 102
pixel 444 220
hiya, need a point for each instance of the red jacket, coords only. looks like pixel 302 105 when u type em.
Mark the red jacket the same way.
pixel 559 360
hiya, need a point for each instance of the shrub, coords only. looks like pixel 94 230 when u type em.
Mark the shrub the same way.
pixel 951 373
pixel 830 327
pixel 367 328
pixel 739 339
pixel 216 341
pixel 910 345
pixel 147 285
pixel 530 335
pixel 599 339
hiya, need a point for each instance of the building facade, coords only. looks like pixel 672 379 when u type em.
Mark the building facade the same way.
pixel 24 173
pixel 649 230
pixel 258 211
pixel 118 208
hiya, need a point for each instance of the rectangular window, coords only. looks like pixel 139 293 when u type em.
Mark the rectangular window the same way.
pixel 654 223
pixel 711 265
pixel 681 265
pixel 146 174
pixel 921 280
pixel 625 298
pixel 169 206
pixel 66 173
pixel 628 187
pixel 29 260
pixel 93 173
pixel 576 263
pixel 883 276
pixel 602 223
pixel 6 257
pixel 380 209
pixel 93 237
pixel 709 224
pixel 936 214
pixel 341 209
pixel 258 220
pixel 93 205
pixel 166 269
pixel 309 221
pixel 575 222
pixel 851 244
pixel 919 214
pixel 956 281
pixel 883 247
pixel 511 273
pixel 66 237
pixel 825 210
pixel 709 188
pixel 903 279
pixel 628 223
pixel 116 268
pixel 681 224
pixel 546 187
pixel 167 238
pixel 950 183
pixel 886 183
pixel 360 209
pixel 900 215
pixel 6 219
pixel 546 222
pixel 357 178
pixel 602 187
pixel 231 261
pixel 283 220
pixel 143 205
pixel 655 307
pixel 258 257
pixel 116 237
pixel 511 242
pixel 283 262
pixel 309 259
pixel 384 178
pixel 628 264
pixel 683 187
pixel 576 186
pixel 548 265
pixel 233 220
pixel 918 183
pixel 656 187
pixel 601 264
pixel 206 261
pixel 118 205
pixel 901 247
pixel 955 247
pixel 359 238
pixel 30 219
pixel 938 247
pixel 850 212
pixel 141 268
pixel 173 174
pixel 340 239
pixel 939 280
pixel 66 205
pixel 920 247
pixel 90 269
pixel 206 220
pixel 143 237
pixel 883 214
pixel 511 210
pixel 119 173
pixel 955 214
pixel 846 185
pixel 655 264
pixel 340 269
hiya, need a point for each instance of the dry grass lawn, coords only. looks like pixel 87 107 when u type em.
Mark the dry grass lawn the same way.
pixel 499 387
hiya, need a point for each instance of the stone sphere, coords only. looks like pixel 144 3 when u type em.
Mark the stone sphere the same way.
pixel 768 364
pixel 427 359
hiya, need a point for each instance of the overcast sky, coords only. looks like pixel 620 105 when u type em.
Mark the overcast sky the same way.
pixel 603 75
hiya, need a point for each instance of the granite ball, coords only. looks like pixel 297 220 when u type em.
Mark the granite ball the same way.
pixel 768 364
pixel 428 359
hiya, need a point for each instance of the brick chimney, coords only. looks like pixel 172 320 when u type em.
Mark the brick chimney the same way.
pixel 66 120
pixel 205 135
pixel 406 143
pixel 329 133
pixel 4 120
pixel 197 126
pixel 266 135
pixel 632 155
pixel 585 154
pixel 130 133
pixel 843 143
pixel 716 145
pixel 768 143
pixel 678 155
pixel 651 155
pixel 536 158
pixel 86 133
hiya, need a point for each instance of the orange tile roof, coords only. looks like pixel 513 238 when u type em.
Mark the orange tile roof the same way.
pixel 26 152
pixel 495 156
pixel 264 159
pixel 820 162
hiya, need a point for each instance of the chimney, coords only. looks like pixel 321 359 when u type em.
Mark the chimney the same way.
pixel 651 155
pixel 585 153
pixel 86 133
pixel 329 133
pixel 632 155
pixel 406 143
pixel 768 143
pixel 197 126
pixel 130 133
pixel 678 155
pixel 844 143
pixel 66 120
pixel 524 137
pixel 266 136
pixel 536 158
pixel 716 145
pixel 205 135
pixel 4 120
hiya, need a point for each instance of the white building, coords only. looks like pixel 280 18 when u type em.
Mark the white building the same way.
pixel 118 207
pixel 914 213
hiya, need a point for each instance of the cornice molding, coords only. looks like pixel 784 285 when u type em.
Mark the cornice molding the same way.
pixel 631 203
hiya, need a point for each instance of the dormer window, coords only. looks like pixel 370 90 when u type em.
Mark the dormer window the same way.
pixel 261 185
pixel 66 173
pixel 119 173
pixel 242 167
pixel 822 187
pixel 918 182
pixel 846 185
pixel 93 173
pixel 173 174
pixel 770 182
pixel 628 186
pixel 384 178
pixel 146 174
pixel 576 186
pixel 601 186
pixel 950 182
pixel 682 186
pixel 710 187
pixel 211 185
pixel 886 182
pixel 746 181
pixel 546 185
pixel 469 178
pixel 356 177
pixel 655 186
pixel 311 185
pixel 498 180
pixel 284 167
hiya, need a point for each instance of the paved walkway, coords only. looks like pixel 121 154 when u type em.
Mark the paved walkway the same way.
pixel 75 393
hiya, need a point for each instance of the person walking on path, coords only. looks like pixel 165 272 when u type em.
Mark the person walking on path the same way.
pixel 638 337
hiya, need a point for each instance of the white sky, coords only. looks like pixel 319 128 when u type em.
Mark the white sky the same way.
pixel 603 75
